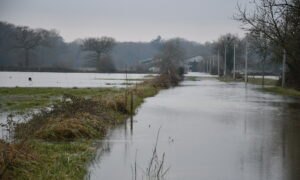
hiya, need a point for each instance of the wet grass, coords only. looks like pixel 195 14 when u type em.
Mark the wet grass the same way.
pixel 13 99
pixel 123 84
pixel 18 91
pixel 282 91
pixel 251 80
pixel 65 160
pixel 191 78
pixel 138 79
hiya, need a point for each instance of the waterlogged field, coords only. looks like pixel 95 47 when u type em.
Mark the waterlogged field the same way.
pixel 68 80
pixel 28 91
pixel 25 90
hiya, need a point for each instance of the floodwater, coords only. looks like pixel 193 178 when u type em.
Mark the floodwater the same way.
pixel 209 130
pixel 68 80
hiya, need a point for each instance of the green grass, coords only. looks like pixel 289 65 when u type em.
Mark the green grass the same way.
pixel 15 99
pixel 67 160
pixel 18 91
pixel 256 81
pixel 282 91
pixel 191 78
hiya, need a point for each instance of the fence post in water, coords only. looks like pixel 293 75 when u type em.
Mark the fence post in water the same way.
pixel 283 69
pixel 125 98
pixel 126 88
pixel 218 63
pixel 234 61
pixel 246 64
pixel 225 60
pixel 131 110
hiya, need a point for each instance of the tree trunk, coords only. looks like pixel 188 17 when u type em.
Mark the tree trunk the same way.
pixel 263 72
pixel 283 69
pixel 26 58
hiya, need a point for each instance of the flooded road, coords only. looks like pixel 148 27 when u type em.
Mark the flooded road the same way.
pixel 209 130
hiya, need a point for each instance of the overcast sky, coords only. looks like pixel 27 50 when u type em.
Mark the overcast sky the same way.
pixel 126 20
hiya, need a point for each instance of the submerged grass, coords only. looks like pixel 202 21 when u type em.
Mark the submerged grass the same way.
pixel 61 142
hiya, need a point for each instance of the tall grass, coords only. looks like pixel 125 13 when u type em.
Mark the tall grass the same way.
pixel 156 167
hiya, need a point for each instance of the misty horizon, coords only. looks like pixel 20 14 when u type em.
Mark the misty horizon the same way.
pixel 134 21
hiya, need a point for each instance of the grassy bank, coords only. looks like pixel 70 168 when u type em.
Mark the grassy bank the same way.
pixel 282 91
pixel 59 144
pixel 251 80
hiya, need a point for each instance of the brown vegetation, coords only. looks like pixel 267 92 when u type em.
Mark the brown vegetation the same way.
pixel 10 154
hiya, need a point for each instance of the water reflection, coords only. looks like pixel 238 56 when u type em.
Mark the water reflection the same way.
pixel 217 131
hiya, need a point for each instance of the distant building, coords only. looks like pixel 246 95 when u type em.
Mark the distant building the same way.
pixel 151 64
pixel 87 69
pixel 190 63
pixel 154 69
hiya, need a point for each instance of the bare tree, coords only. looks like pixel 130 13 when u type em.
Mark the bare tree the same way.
pixel 278 21
pixel 29 39
pixel 170 62
pixel 269 17
pixel 99 49
pixel 225 46
pixel 171 55
pixel 260 45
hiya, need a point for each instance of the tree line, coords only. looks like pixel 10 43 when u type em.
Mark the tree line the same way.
pixel 24 48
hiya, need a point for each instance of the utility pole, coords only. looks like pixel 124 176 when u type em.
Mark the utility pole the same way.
pixel 218 63
pixel 213 62
pixel 246 64
pixel 210 65
pixel 234 61
pixel 206 66
pixel 126 88
pixel 225 59
pixel 283 68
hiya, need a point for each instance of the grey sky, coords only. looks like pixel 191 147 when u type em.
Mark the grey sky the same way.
pixel 126 20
